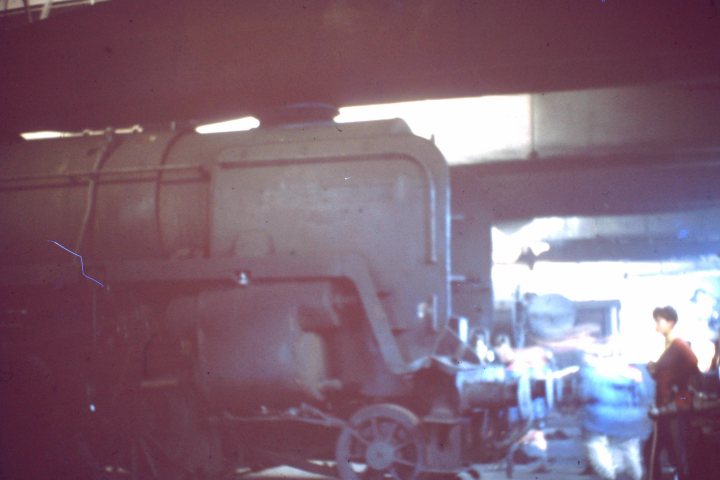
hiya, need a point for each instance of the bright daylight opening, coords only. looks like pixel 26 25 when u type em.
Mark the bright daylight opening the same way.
pixel 44 135
pixel 691 284
pixel 236 125
pixel 465 130
pixel 638 286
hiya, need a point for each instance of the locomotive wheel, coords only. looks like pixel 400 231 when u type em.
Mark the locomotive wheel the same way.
pixel 380 441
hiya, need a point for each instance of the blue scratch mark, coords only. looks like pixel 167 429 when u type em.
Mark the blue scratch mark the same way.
pixel 82 265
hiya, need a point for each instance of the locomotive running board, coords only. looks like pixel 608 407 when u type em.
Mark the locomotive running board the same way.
pixel 239 270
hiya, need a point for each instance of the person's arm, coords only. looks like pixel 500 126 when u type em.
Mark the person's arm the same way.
pixel 652 366
pixel 715 363
pixel 686 356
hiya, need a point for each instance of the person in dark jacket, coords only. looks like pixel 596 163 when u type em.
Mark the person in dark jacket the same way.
pixel 676 366
pixel 672 373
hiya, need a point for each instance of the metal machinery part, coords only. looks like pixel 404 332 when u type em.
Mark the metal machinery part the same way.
pixel 380 440
pixel 550 316
pixel 256 296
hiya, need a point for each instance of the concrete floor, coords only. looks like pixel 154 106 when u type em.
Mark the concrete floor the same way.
pixel 566 459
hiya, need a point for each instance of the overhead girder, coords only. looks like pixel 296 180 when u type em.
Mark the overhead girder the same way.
pixel 624 192
pixel 575 185
pixel 131 61
pixel 624 248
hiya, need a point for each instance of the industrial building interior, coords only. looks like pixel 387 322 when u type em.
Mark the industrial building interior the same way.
pixel 583 143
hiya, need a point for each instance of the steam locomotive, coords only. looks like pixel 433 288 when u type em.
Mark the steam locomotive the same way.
pixel 177 305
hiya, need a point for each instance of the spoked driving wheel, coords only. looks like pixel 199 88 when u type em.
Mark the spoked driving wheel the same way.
pixel 380 441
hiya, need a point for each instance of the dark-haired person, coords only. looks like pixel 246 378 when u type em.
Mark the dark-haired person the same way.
pixel 672 373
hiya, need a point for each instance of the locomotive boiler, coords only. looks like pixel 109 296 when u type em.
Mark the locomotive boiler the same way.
pixel 178 305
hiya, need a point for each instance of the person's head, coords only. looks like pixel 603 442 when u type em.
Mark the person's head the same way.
pixel 665 319
pixel 480 342
pixel 503 348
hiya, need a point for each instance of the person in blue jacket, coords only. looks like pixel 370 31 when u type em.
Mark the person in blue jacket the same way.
pixel 616 397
